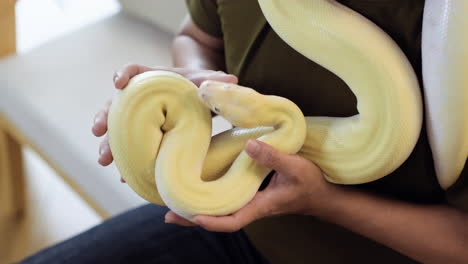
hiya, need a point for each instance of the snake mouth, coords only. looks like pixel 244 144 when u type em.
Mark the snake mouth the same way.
pixel 212 106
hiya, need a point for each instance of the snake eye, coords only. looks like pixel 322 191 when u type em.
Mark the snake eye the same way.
pixel 216 109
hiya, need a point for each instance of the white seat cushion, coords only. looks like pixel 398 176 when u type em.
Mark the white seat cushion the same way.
pixel 52 93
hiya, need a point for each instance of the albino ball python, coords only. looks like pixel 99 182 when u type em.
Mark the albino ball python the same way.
pixel 160 124
pixel 445 72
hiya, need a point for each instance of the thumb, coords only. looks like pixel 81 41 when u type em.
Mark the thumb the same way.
pixel 268 156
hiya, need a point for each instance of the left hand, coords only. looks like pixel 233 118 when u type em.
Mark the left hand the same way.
pixel 297 187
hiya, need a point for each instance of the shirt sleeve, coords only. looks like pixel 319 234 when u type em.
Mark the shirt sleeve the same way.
pixel 457 194
pixel 204 14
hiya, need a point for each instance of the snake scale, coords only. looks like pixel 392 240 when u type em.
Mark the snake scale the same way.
pixel 160 124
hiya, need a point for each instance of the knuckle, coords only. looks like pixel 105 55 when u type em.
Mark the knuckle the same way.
pixel 97 115
pixel 102 144
pixel 208 227
pixel 302 167
pixel 233 228
pixel 130 65
pixel 270 158
pixel 130 69
pixel 106 109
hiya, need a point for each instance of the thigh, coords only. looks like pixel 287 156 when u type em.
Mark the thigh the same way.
pixel 141 236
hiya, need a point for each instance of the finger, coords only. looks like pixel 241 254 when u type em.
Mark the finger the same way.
pixel 105 154
pixel 100 120
pixel 122 77
pixel 257 208
pixel 173 218
pixel 198 77
pixel 269 157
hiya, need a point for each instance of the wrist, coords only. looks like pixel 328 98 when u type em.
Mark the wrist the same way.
pixel 333 197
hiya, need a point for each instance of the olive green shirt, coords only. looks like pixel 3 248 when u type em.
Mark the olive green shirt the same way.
pixel 261 60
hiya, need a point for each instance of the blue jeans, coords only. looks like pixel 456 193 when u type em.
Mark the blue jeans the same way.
pixel 140 236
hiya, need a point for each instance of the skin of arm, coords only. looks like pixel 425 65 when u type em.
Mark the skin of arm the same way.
pixel 195 49
pixel 427 233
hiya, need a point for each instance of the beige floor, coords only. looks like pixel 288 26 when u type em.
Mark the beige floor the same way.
pixel 54 213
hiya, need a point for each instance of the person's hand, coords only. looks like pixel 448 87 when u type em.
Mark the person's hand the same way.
pixel 297 187
pixel 121 79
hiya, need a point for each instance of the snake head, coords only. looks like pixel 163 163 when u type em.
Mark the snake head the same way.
pixel 236 103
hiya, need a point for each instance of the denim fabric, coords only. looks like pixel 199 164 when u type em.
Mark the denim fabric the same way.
pixel 140 236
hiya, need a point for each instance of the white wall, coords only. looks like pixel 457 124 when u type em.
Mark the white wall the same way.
pixel 167 14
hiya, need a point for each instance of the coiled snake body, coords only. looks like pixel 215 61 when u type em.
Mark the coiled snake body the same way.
pixel 160 124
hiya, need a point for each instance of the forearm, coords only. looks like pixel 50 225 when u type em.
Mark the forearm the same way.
pixel 194 49
pixel 429 234
pixel 188 53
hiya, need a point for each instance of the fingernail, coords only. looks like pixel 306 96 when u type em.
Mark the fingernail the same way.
pixel 252 147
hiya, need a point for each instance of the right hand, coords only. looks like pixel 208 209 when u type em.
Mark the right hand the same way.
pixel 121 78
